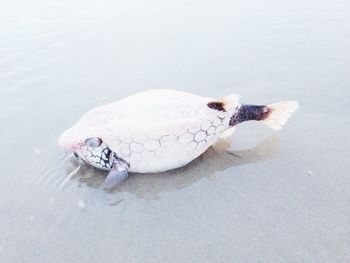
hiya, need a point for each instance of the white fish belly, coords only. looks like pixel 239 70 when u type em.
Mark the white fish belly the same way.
pixel 168 148
pixel 167 152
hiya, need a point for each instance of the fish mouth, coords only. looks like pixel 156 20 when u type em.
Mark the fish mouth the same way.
pixel 75 146
pixel 63 142
pixel 66 143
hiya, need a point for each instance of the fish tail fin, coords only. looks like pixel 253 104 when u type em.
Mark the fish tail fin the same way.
pixel 279 113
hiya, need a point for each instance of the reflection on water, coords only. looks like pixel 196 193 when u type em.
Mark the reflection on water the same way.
pixel 213 161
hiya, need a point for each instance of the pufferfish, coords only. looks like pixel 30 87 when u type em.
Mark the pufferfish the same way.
pixel 161 129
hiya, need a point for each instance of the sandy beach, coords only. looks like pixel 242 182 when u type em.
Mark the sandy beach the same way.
pixel 270 197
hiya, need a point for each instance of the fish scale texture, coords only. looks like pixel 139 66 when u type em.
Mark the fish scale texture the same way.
pixel 156 130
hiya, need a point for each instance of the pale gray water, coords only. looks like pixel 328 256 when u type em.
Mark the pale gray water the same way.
pixel 285 199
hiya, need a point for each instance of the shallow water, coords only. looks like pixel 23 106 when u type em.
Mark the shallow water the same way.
pixel 276 197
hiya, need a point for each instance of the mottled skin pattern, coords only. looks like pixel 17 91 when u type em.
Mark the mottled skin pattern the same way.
pixel 155 130
pixel 139 151
pixel 159 130
pixel 249 112
pixel 100 157
pixel 145 149
pixel 190 139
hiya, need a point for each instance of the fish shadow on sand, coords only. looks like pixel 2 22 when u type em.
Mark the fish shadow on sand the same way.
pixel 149 186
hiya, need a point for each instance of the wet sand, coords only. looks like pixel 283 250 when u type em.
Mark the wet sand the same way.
pixel 270 197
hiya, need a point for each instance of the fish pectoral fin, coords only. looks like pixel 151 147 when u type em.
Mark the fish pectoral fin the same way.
pixel 117 174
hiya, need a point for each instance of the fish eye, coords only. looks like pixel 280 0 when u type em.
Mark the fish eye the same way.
pixel 93 142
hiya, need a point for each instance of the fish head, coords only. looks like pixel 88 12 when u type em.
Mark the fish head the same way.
pixel 87 146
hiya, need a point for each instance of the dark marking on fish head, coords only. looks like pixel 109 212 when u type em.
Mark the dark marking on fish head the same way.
pixel 96 153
